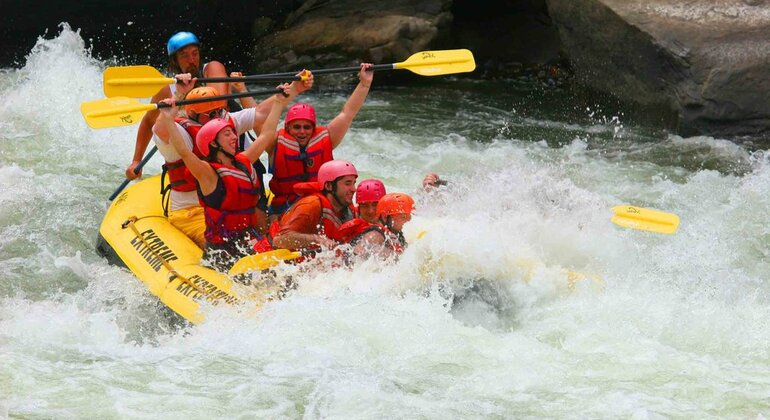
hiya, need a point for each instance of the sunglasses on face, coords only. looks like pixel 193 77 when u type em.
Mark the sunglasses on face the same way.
pixel 302 127
pixel 217 113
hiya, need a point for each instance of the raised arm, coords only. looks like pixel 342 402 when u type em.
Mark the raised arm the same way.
pixel 217 69
pixel 339 126
pixel 188 83
pixel 268 134
pixel 201 170
pixel 248 101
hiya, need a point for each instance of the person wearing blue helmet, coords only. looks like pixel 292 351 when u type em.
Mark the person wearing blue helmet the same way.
pixel 183 50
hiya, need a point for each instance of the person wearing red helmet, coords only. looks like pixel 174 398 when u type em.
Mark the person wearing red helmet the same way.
pixel 227 185
pixel 315 218
pixel 368 194
pixel 303 146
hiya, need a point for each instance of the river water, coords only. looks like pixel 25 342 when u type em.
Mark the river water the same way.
pixel 476 320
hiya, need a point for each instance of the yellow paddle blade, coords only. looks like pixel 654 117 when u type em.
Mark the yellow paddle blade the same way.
pixel 645 219
pixel 114 112
pixel 436 63
pixel 134 81
pixel 263 260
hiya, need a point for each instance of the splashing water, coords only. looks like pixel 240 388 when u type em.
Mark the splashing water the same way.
pixel 479 318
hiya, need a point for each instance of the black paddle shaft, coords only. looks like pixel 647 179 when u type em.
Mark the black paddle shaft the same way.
pixel 222 97
pixel 286 76
pixel 320 71
pixel 136 171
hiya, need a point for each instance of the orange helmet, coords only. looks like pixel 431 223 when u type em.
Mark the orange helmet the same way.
pixel 203 107
pixel 394 203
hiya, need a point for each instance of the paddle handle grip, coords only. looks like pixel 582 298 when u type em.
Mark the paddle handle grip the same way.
pixel 220 97
pixel 136 171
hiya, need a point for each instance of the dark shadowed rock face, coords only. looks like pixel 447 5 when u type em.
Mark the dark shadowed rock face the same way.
pixel 704 61
pixel 346 31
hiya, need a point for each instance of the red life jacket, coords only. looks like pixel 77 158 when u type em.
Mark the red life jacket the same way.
pixel 236 215
pixel 292 164
pixel 354 229
pixel 180 179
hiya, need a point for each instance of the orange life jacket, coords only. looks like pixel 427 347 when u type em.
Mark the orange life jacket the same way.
pixel 329 224
pixel 294 164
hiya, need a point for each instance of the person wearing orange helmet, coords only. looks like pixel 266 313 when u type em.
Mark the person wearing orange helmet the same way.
pixel 179 193
pixel 303 146
pixel 314 220
pixel 383 236
pixel 226 182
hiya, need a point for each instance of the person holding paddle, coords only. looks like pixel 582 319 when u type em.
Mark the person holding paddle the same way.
pixel 227 184
pixel 183 208
pixel 302 146
pixel 183 50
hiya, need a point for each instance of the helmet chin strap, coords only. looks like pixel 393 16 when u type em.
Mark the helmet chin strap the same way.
pixel 334 194
pixel 220 149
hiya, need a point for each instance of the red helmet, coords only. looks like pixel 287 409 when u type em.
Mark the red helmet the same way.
pixel 394 203
pixel 204 107
pixel 333 169
pixel 208 133
pixel 369 190
pixel 299 112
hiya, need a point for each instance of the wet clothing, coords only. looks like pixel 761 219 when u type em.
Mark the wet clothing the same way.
pixel 293 163
pixel 230 212
pixel 311 214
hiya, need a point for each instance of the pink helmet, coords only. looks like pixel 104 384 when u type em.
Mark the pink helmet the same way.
pixel 369 190
pixel 208 133
pixel 299 111
pixel 333 169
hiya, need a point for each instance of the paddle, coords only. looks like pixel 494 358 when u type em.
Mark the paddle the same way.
pixel 144 81
pixel 262 261
pixel 136 171
pixel 645 219
pixel 121 111
pixel 424 63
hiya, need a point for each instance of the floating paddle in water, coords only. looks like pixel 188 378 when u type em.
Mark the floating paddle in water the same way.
pixel 262 261
pixel 145 81
pixel 122 111
pixel 645 219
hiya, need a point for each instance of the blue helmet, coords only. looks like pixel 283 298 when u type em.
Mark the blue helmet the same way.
pixel 181 40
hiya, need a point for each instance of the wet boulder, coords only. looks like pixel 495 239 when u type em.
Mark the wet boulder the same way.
pixel 704 63
pixel 337 32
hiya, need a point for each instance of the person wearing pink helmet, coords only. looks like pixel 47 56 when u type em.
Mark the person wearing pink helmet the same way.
pixel 315 218
pixel 180 199
pixel 227 185
pixel 368 194
pixel 302 146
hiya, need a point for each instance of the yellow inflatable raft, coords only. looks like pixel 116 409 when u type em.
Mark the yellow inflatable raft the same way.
pixel 136 235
